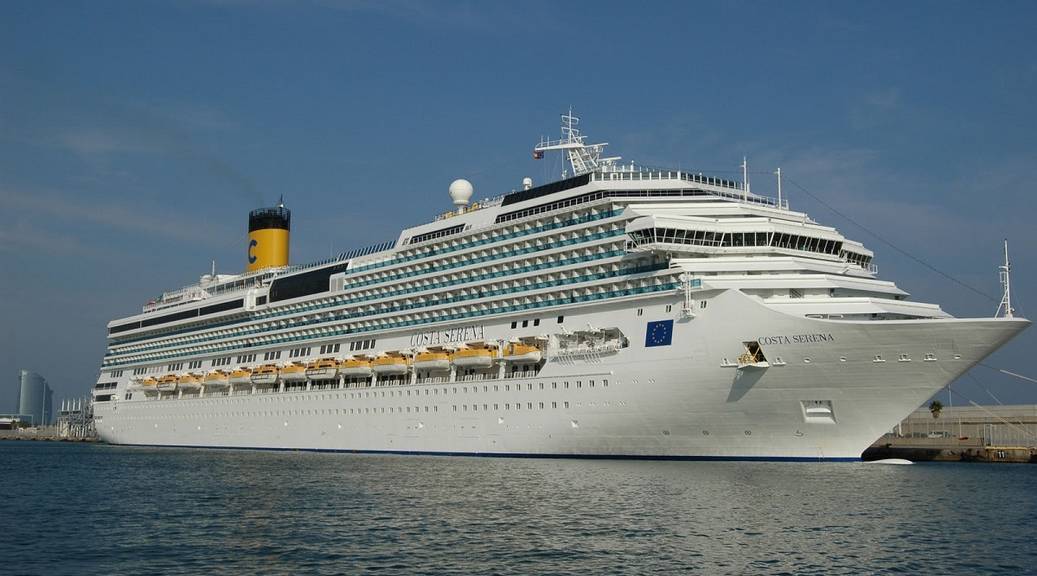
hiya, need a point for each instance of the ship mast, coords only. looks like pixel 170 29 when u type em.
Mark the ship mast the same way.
pixel 583 158
pixel 1006 283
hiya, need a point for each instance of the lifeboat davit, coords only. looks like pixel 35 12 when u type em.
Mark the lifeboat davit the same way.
pixel 265 375
pixel 355 368
pixel 240 377
pixel 167 383
pixel 389 365
pixel 474 357
pixel 294 373
pixel 517 353
pixel 323 369
pixel 217 379
pixel 190 381
pixel 432 361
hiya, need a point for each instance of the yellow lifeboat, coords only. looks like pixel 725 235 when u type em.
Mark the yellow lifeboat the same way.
pixel 265 375
pixel 217 378
pixel 480 357
pixel 149 383
pixel 190 381
pixel 323 369
pixel 240 377
pixel 518 353
pixel 432 361
pixel 355 368
pixel 389 365
pixel 294 372
pixel 167 383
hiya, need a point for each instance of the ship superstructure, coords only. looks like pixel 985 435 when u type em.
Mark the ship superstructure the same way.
pixel 621 311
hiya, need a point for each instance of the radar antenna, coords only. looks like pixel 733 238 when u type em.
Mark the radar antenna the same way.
pixel 583 158
pixel 1006 283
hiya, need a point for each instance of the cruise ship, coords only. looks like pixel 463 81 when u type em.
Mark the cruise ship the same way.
pixel 619 312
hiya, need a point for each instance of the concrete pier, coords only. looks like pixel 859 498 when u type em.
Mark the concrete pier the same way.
pixel 963 434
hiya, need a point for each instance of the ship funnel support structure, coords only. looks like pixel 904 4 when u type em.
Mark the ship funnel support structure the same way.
pixel 268 237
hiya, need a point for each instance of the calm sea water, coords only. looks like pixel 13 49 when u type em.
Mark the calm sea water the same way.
pixel 95 509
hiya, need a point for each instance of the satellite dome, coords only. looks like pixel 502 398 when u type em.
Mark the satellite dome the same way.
pixel 461 191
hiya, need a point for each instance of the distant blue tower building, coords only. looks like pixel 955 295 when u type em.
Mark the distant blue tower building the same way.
pixel 35 398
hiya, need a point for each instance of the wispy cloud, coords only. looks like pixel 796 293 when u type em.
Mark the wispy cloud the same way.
pixel 94 142
pixel 876 107
pixel 20 238
pixel 48 208
pixel 884 98
pixel 481 17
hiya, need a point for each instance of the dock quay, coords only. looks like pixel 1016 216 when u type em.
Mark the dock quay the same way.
pixel 1003 434
pixel 43 434
pixel 74 423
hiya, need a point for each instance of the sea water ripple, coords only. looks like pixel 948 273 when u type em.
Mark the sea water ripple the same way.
pixel 96 509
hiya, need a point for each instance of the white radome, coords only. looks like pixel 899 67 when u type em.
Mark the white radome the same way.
pixel 461 191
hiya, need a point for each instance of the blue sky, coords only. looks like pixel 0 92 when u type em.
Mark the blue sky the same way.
pixel 135 136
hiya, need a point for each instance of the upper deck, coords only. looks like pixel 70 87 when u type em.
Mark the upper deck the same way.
pixel 460 234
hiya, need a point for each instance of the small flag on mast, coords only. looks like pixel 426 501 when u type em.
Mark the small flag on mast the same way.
pixel 538 154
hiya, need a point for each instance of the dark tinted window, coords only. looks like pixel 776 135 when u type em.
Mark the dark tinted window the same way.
pixel 297 285
pixel 546 189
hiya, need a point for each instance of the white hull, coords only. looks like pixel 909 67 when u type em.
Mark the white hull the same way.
pixel 684 400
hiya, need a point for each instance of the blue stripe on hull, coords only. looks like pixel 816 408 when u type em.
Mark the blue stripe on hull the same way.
pixel 516 454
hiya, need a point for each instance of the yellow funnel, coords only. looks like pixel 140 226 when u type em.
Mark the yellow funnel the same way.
pixel 268 236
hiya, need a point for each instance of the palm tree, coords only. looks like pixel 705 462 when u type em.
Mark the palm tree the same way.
pixel 935 407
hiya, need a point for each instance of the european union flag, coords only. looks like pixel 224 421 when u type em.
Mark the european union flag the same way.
pixel 659 333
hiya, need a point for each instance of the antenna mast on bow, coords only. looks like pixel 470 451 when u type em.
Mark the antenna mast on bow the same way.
pixel 1006 283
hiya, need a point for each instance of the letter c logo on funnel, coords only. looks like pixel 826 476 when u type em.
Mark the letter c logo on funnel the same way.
pixel 251 256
